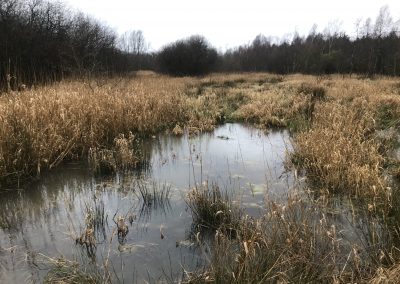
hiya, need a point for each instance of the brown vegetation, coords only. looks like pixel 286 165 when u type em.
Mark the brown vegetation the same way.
pixel 41 128
pixel 345 131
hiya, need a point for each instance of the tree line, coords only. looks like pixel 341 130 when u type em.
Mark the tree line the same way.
pixel 43 41
pixel 375 49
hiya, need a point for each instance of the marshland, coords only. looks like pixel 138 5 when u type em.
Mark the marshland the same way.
pixel 246 177
pixel 274 162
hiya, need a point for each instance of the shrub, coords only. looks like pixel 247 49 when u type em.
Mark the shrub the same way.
pixel 193 56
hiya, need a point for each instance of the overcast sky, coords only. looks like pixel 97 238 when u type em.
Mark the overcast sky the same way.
pixel 228 23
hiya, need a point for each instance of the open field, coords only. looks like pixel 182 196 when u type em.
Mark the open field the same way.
pixel 345 135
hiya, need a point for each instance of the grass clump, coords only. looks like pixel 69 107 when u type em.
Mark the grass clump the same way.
pixel 276 108
pixel 213 209
pixel 71 272
pixel 388 115
pixel 215 106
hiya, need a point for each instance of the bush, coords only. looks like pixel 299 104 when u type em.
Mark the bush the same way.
pixel 188 57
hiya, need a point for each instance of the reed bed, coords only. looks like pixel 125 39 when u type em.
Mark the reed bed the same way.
pixel 345 136
pixel 339 153
pixel 41 128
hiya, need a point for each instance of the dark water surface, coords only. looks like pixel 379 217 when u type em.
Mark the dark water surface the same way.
pixel 40 224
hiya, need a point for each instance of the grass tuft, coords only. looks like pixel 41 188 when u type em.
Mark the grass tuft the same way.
pixel 212 209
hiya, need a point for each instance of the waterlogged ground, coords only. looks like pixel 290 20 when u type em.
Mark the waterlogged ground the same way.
pixel 41 223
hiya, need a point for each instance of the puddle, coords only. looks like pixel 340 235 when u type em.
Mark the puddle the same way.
pixel 45 219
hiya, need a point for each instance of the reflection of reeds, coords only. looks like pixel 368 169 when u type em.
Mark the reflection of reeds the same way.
pixel 95 217
pixel 84 268
pixel 87 269
pixel 11 221
pixel 95 222
pixel 154 197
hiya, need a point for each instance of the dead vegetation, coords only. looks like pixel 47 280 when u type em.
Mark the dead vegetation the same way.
pixel 345 131
pixel 41 128
pixel 299 240
pixel 212 209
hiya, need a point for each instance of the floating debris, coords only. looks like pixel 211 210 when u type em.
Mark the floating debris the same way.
pixel 185 244
pixel 223 137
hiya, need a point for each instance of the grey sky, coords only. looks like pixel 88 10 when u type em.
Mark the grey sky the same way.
pixel 228 23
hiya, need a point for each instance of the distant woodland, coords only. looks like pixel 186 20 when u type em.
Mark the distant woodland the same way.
pixel 43 42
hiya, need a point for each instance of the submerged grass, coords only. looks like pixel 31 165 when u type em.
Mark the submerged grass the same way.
pixel 71 272
pixel 153 195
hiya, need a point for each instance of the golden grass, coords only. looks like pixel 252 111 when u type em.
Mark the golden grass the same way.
pixel 342 151
pixel 41 128
pixel 336 116
pixel 339 153
pixel 345 132
pixel 276 107
pixel 387 276
pixel 295 241
pixel 344 146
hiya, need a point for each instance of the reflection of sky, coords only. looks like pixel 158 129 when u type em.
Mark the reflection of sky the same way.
pixel 247 153
pixel 44 218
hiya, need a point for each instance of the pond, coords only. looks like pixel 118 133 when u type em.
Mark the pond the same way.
pixel 44 221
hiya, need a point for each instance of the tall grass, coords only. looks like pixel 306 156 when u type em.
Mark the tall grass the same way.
pixel 41 128
pixel 343 153
pixel 339 152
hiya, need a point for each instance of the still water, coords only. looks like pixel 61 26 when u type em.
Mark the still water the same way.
pixel 41 222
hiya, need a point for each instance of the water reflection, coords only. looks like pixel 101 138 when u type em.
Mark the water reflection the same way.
pixel 48 218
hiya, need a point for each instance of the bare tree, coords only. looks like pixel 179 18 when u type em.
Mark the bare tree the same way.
pixel 366 29
pixel 133 42
pixel 383 22
pixel 332 31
